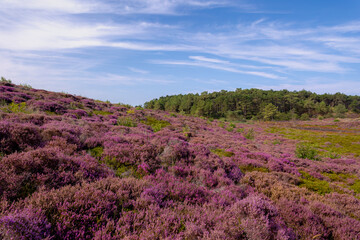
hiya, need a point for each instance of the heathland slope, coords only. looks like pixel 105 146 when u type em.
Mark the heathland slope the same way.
pixel 76 168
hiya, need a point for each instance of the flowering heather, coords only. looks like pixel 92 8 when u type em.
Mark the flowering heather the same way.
pixel 76 168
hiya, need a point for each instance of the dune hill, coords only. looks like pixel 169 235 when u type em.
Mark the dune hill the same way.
pixel 77 168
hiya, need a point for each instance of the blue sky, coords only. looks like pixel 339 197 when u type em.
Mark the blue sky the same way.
pixel 134 51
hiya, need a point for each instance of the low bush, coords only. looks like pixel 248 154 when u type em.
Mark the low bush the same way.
pixel 126 121
pixel 306 151
pixel 156 124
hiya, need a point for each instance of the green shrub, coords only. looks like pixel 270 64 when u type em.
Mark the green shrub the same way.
pixel 4 80
pixel 96 152
pixel 250 134
pixel 16 108
pixel 25 86
pixel 232 125
pixel 240 130
pixel 333 155
pixel 304 117
pixel 229 129
pixel 103 113
pixel 126 121
pixel 156 124
pixel 306 151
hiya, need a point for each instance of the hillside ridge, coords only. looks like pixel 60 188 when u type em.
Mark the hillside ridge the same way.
pixel 77 168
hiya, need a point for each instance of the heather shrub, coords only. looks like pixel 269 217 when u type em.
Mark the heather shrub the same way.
pixel 25 224
pixel 340 225
pixel 80 211
pixel 62 129
pixel 24 173
pixel 79 113
pixel 118 154
pixel 259 219
pixel 17 137
pixel 169 188
pixel 50 106
pixel 305 223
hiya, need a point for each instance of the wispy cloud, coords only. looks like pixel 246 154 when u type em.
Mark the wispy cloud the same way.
pixel 63 6
pixel 136 70
pixel 171 7
pixel 221 66
pixel 205 59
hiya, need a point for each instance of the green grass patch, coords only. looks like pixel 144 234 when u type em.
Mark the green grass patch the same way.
pixel 102 113
pixel 156 124
pixel 126 121
pixel 356 186
pixel 349 181
pixel 122 169
pixel 335 143
pixel 339 177
pixel 316 185
pixel 276 142
pixel 251 168
pixel 222 153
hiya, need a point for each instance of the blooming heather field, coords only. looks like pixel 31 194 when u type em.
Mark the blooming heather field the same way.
pixel 75 168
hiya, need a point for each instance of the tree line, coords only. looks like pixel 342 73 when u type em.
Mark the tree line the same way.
pixel 243 104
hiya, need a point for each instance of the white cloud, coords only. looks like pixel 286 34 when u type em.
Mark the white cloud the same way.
pixel 136 70
pixel 63 6
pixel 170 7
pixel 205 59
pixel 218 67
